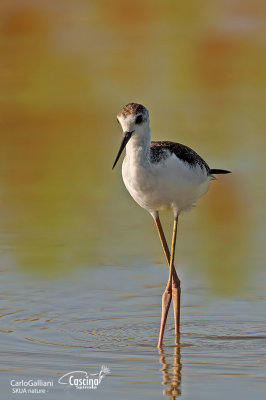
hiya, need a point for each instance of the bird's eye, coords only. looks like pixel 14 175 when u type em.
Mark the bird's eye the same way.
pixel 139 119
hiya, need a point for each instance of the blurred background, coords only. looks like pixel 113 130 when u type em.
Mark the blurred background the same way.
pixel 67 68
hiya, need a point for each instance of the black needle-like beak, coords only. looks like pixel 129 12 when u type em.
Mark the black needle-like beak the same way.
pixel 125 139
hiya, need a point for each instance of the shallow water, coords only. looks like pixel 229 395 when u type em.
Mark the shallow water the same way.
pixel 110 316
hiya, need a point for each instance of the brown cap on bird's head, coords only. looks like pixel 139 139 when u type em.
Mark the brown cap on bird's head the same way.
pixel 132 109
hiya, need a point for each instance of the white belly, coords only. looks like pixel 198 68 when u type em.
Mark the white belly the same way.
pixel 170 184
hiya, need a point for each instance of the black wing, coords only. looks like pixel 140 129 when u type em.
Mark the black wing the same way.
pixel 181 151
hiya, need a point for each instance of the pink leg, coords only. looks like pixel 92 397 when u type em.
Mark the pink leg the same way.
pixel 172 289
pixel 176 294
pixel 176 290
pixel 166 301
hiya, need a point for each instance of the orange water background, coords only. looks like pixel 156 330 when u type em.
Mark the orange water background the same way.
pixel 67 68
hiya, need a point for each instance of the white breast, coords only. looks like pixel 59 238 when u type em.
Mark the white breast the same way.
pixel 171 183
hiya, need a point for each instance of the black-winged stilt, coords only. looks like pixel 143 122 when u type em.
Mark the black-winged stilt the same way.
pixel 161 175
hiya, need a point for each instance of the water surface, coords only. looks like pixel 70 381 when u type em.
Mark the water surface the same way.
pixel 110 316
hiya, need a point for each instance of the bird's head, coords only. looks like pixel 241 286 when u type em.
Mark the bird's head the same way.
pixel 134 121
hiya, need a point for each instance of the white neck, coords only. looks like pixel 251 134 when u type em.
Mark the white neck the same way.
pixel 138 148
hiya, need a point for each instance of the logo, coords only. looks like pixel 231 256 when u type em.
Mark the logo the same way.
pixel 83 380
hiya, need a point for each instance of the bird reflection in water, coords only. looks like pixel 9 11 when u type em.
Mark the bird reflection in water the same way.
pixel 171 380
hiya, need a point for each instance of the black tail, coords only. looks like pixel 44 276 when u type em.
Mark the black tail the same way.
pixel 219 171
